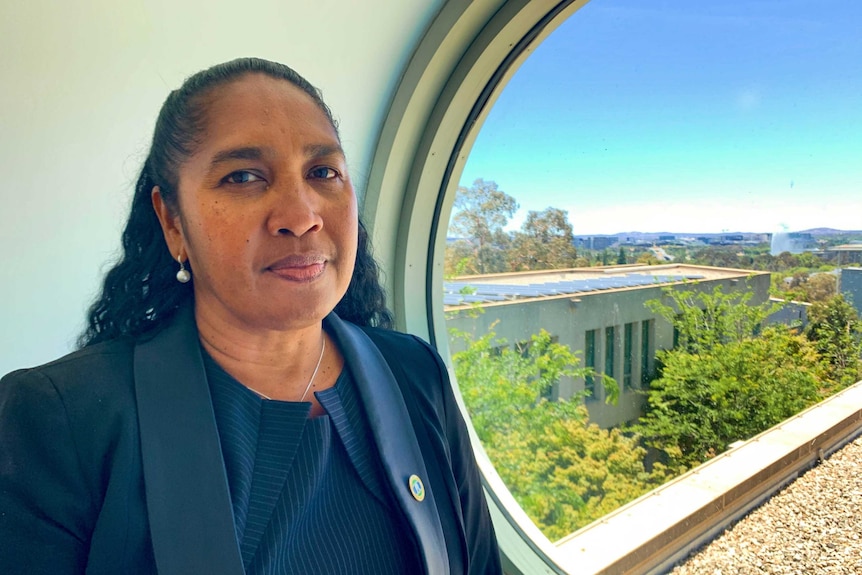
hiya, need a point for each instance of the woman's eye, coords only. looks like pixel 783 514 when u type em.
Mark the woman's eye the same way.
pixel 241 177
pixel 323 173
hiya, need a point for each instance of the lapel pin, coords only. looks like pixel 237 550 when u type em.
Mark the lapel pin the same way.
pixel 417 490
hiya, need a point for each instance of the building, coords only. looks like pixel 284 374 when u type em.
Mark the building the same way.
pixel 596 243
pixel 600 313
pixel 793 314
pixel 848 253
pixel 850 284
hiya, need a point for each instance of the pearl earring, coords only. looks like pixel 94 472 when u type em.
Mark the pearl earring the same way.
pixel 184 275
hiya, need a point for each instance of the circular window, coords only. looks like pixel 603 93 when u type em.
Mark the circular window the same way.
pixel 685 163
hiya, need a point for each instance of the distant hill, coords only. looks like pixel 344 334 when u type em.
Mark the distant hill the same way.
pixel 654 235
pixel 830 232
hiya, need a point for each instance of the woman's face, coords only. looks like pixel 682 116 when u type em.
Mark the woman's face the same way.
pixel 266 212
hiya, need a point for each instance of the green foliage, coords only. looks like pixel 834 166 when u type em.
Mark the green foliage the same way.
pixel 705 319
pixel 648 258
pixel 563 471
pixel 481 213
pixel 836 331
pixel 800 285
pixel 705 401
pixel 725 381
pixel 546 241
pixel 460 260
pixel 819 287
pixel 621 257
pixel 605 257
pixel 756 258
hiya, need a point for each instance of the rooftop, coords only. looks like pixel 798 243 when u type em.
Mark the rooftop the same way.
pixel 518 286
pixel 854 247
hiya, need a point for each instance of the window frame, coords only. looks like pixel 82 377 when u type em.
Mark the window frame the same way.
pixel 590 363
pixel 647 346
pixel 628 356
pixel 463 62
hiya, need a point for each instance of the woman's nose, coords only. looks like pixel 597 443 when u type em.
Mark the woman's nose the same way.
pixel 294 210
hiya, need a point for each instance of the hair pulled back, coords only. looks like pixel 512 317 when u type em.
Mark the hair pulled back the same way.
pixel 140 292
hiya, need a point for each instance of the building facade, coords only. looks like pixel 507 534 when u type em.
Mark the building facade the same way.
pixel 850 284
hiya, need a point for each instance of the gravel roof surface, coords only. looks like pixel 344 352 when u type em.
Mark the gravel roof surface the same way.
pixel 813 526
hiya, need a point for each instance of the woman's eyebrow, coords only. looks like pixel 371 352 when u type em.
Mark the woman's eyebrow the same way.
pixel 248 153
pixel 255 153
pixel 323 150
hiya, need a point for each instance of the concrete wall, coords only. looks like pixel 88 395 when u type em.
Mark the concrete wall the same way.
pixel 851 286
pixel 790 313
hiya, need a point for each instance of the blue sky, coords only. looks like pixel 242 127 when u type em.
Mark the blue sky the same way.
pixel 681 116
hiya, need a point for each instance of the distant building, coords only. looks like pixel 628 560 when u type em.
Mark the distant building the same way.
pixel 598 312
pixel 850 284
pixel 848 253
pixel 597 243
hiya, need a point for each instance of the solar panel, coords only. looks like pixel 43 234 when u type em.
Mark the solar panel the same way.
pixel 465 292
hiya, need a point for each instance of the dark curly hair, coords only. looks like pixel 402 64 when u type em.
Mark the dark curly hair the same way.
pixel 140 293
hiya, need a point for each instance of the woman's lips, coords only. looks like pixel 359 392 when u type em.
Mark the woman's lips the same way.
pixel 300 268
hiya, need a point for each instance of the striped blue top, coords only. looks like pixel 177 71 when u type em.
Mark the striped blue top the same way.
pixel 308 494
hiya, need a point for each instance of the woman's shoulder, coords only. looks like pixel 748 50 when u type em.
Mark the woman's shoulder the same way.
pixel 405 348
pixel 418 369
pixel 89 373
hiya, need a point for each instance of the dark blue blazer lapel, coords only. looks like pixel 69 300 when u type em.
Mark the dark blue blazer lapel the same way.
pixel 188 501
pixel 395 438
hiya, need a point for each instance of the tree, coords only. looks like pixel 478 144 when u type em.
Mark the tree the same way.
pixel 819 287
pixel 705 319
pixel 717 256
pixel 546 241
pixel 786 261
pixel 481 213
pixel 459 259
pixel 562 470
pixel 726 380
pixel 605 257
pixel 648 258
pixel 764 261
pixel 836 331
pixel 621 257
pixel 802 286
pixel 703 401
pixel 809 260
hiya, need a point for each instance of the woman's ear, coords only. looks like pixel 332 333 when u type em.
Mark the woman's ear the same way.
pixel 171 225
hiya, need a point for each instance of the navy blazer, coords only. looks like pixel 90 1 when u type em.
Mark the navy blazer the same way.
pixel 110 460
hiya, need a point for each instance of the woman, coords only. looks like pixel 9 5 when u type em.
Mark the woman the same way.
pixel 220 417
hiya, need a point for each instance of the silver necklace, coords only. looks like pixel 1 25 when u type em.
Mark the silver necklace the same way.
pixel 310 381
